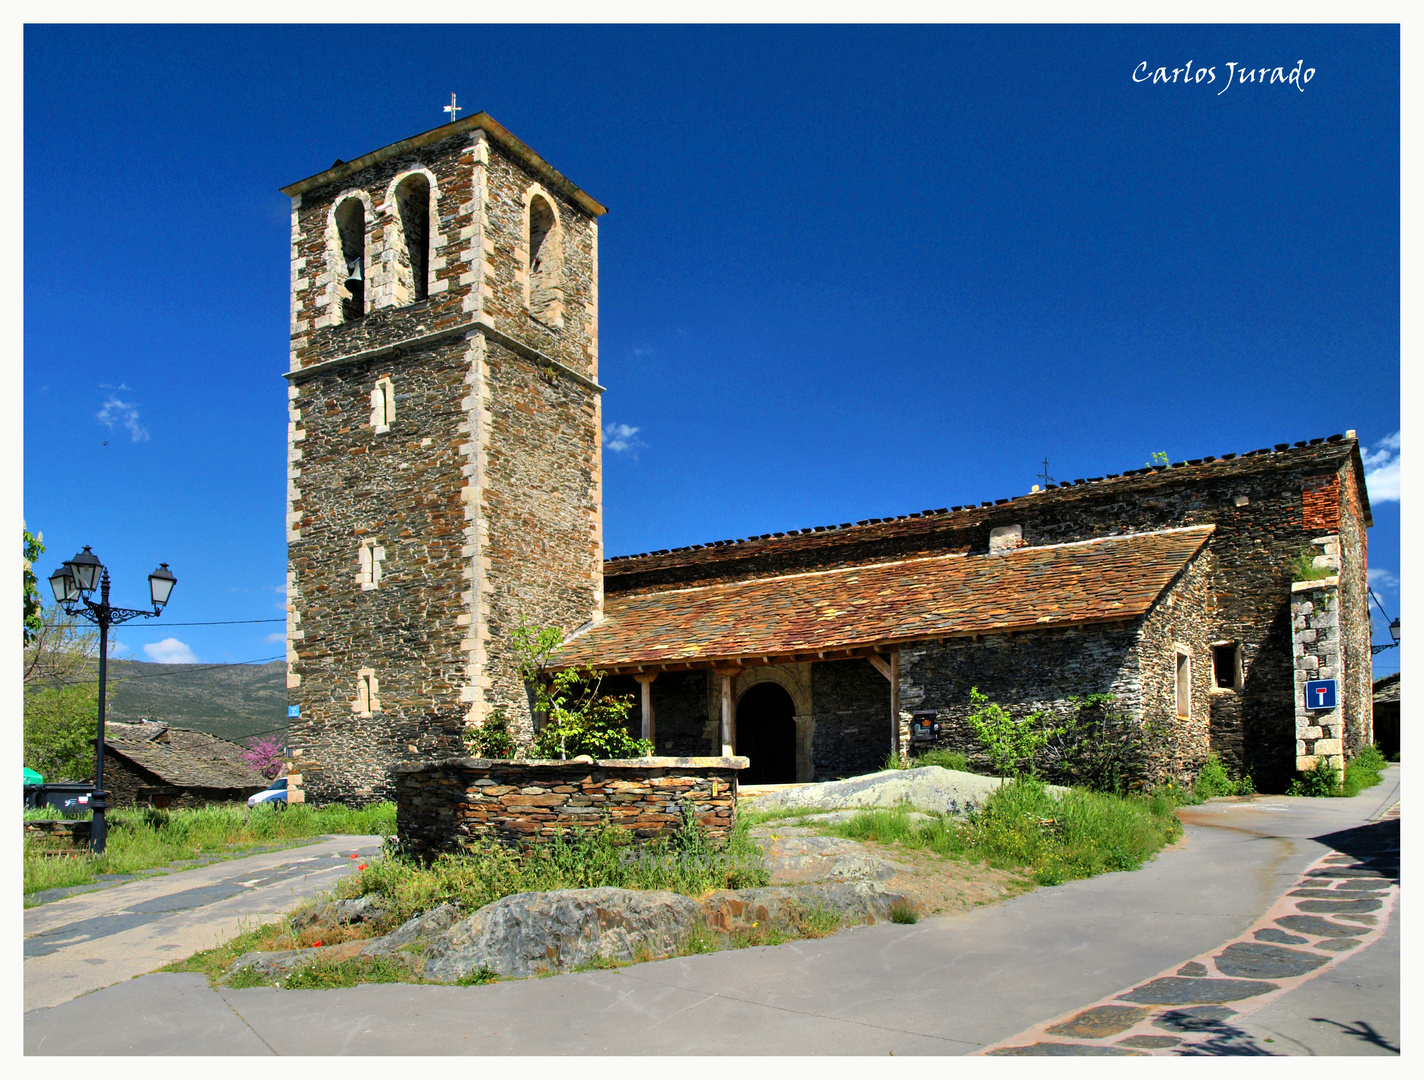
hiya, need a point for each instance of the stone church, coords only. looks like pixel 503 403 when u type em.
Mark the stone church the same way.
pixel 445 486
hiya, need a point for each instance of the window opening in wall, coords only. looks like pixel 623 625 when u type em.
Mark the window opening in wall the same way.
pixel 1184 684
pixel 369 557
pixel 351 229
pixel 413 205
pixel 544 261
pixel 367 688
pixel 383 405
pixel 1226 665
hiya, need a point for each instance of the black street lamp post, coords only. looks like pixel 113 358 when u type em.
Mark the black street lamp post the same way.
pixel 72 583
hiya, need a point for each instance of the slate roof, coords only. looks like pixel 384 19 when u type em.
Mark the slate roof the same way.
pixel 1387 689
pixel 1326 453
pixel 803 614
pixel 183 758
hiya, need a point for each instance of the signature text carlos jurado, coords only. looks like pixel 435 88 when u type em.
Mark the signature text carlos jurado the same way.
pixel 1235 74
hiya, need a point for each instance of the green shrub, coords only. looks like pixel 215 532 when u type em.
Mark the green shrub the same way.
pixel 1363 770
pixel 1098 746
pixel 1212 782
pixel 1303 567
pixel 905 913
pixel 492 738
pixel 1010 743
pixel 1321 781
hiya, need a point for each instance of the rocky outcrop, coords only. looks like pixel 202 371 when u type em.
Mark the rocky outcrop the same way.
pixel 944 791
pixel 529 933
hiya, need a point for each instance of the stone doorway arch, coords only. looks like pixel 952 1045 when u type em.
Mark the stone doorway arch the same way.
pixel 766 734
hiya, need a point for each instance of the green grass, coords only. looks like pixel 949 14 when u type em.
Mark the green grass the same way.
pixel 603 856
pixel 138 841
pixel 1022 826
pixel 1361 772
pixel 945 759
pixel 1303 568
pixel 905 913
pixel 323 974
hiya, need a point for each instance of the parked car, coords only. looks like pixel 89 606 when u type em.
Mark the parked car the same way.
pixel 276 794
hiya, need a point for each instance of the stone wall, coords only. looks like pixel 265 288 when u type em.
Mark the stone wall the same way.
pixel 418 541
pixel 1351 565
pixel 444 804
pixel 1315 636
pixel 850 702
pixel 1041 671
pixel 124 780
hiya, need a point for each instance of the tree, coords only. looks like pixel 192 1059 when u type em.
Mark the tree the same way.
pixel 578 718
pixel 34 548
pixel 59 651
pixel 264 755
pixel 60 731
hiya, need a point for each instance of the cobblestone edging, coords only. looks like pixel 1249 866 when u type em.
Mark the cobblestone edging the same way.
pixel 1340 906
pixel 441 804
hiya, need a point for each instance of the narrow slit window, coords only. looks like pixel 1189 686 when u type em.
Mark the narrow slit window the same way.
pixel 383 405
pixel 545 263
pixel 1184 684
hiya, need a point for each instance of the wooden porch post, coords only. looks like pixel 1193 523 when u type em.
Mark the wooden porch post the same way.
pixel 645 679
pixel 729 715
pixel 895 703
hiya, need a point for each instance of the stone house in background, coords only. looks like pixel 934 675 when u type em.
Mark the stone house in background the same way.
pixel 445 485
pixel 152 764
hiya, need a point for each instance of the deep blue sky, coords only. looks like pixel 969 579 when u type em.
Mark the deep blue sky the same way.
pixel 847 273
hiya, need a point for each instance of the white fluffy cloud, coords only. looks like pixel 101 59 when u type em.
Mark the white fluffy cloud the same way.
pixel 170 651
pixel 1382 469
pixel 279 636
pixel 1382 578
pixel 621 439
pixel 116 411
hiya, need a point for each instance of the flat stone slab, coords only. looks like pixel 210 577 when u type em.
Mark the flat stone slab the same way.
pixel 1271 934
pixel 1314 924
pixel 1352 873
pixel 1100 1022
pixel 1174 990
pixel 1258 960
pixel 1343 944
pixel 1149 1042
pixel 1191 1021
pixel 797 859
pixel 853 902
pixel 1339 907
pixel 1336 894
pixel 1052 1049
pixel 1193 970
pixel 932 788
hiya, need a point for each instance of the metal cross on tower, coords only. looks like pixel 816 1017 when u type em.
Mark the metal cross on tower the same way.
pixel 453 109
pixel 1044 475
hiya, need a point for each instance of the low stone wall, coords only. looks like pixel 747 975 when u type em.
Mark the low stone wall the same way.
pixel 441 804
pixel 75 832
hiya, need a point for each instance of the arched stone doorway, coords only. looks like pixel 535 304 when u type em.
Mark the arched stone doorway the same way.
pixel 766 733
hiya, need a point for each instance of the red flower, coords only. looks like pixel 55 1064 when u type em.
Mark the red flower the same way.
pixel 360 866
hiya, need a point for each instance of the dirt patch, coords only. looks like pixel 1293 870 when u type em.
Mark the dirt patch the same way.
pixel 937 885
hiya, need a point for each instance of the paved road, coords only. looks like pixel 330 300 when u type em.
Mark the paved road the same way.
pixel 992 977
pixel 96 939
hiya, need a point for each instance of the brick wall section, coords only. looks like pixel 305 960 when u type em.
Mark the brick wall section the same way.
pixel 1315 633
pixel 1320 501
pixel 442 805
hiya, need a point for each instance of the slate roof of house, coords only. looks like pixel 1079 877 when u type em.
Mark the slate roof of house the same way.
pixel 183 758
pixel 801 615
pixel 1324 452
pixel 1387 689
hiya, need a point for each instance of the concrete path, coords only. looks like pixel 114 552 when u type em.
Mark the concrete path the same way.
pixel 96 939
pixel 952 985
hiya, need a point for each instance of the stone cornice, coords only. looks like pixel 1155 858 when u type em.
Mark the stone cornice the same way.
pixel 471 326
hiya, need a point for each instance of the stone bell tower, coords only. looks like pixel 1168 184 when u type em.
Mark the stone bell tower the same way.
pixel 444 457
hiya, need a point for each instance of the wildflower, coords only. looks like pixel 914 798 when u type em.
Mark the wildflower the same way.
pixel 360 866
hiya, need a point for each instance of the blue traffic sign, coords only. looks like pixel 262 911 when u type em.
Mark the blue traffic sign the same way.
pixel 1320 694
pixel 294 711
